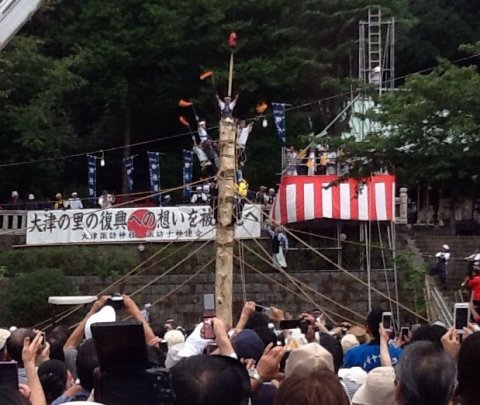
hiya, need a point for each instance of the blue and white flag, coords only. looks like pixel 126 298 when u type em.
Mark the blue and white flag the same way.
pixel 279 116
pixel 154 169
pixel 92 178
pixel 128 162
pixel 187 174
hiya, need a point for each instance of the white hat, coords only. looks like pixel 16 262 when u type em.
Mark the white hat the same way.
pixel 356 375
pixel 379 388
pixel 14 194
pixel 31 197
pixel 4 335
pixel 74 194
pixel 106 314
pixel 201 123
pixel 439 323
pixel 173 337
pixel 446 247
pixel 349 341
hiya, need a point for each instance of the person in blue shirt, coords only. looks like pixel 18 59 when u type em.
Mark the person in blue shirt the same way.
pixel 367 356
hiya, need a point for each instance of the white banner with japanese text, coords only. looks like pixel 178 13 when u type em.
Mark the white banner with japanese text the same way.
pixel 116 225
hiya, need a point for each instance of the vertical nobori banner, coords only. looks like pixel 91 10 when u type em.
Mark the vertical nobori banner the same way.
pixel 279 116
pixel 92 178
pixel 187 174
pixel 128 162
pixel 154 169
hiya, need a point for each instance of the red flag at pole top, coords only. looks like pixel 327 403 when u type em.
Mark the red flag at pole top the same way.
pixel 184 103
pixel 232 40
pixel 184 121
pixel 206 75
pixel 261 107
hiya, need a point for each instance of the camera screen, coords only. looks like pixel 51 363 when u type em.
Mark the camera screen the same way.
pixel 387 321
pixel 119 344
pixel 261 309
pixel 208 302
pixel 290 324
pixel 461 318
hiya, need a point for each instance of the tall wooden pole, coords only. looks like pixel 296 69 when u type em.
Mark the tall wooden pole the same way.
pixel 225 223
pixel 230 75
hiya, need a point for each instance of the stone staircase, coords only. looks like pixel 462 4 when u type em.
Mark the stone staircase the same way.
pixel 460 247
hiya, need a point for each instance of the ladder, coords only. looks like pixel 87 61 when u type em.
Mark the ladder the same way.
pixel 375 42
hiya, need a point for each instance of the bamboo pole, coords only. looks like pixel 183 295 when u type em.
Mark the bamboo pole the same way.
pixel 225 225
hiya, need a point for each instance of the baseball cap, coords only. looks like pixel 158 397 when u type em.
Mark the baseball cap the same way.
pixel 307 358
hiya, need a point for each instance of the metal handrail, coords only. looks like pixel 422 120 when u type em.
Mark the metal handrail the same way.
pixel 438 308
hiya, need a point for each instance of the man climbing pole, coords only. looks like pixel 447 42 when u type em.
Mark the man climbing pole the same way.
pixel 206 143
pixel 227 105
pixel 240 198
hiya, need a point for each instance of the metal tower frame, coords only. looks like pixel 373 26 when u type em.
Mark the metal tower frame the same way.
pixel 376 51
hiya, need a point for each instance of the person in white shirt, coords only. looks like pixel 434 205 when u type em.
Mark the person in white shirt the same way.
pixel 106 200
pixel 440 269
pixel 202 131
pixel 243 131
pixel 227 105
pixel 74 203
pixel 292 161
pixel 473 258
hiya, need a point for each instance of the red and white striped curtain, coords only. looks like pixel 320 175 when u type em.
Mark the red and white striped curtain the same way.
pixel 303 198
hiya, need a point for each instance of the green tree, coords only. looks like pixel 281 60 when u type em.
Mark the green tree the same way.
pixel 27 298
pixel 34 114
pixel 439 28
pixel 430 133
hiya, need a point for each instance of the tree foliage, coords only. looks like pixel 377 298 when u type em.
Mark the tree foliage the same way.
pixel 92 75
pixel 27 298
pixel 429 132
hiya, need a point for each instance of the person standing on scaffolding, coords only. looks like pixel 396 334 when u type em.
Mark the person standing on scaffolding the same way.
pixel 279 246
pixel 440 268
pixel 292 161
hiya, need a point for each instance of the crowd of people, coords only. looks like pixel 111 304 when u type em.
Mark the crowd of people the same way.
pixel 266 358
pixel 314 160
pixel 74 202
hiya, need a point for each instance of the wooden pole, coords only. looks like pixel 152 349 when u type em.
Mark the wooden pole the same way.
pixel 225 223
pixel 230 75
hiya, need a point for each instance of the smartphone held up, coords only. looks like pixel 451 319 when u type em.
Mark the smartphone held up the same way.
pixel 387 321
pixel 461 316
pixel 208 331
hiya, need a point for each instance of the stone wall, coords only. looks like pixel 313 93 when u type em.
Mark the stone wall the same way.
pixel 185 305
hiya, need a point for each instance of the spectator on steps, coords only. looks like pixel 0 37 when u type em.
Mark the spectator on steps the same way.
pixel 440 268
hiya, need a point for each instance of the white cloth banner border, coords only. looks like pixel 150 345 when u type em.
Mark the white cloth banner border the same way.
pixel 118 225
